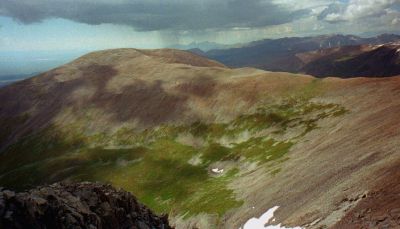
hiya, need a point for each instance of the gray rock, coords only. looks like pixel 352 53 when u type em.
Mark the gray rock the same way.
pixel 81 205
pixel 8 194
pixel 2 206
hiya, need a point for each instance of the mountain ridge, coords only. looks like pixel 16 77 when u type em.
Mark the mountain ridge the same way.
pixel 281 54
pixel 159 128
pixel 354 61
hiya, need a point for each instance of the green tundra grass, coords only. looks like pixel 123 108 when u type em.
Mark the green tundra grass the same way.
pixel 167 174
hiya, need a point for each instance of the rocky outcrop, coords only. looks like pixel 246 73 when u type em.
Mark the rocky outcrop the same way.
pixel 82 205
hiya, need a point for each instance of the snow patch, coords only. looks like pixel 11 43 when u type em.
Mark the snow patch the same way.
pixel 261 223
pixel 217 170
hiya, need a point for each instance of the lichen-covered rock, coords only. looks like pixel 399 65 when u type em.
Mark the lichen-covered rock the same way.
pixel 81 205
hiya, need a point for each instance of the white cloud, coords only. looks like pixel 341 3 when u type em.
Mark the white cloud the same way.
pixel 357 9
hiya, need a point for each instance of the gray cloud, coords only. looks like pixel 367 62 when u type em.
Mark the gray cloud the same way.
pixel 151 15
pixel 332 9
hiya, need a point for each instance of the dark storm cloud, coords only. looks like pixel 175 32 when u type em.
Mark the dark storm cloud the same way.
pixel 149 15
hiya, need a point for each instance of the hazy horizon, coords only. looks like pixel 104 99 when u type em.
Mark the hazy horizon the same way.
pixel 17 65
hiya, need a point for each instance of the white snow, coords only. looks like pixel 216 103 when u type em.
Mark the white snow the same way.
pixel 261 223
pixel 217 170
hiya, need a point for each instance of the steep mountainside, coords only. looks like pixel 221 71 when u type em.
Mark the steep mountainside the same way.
pixel 353 61
pixel 280 54
pixel 209 145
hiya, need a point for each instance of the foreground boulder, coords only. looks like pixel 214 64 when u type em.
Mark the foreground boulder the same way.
pixel 82 205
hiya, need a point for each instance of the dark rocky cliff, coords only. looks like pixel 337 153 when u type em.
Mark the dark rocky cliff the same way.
pixel 82 205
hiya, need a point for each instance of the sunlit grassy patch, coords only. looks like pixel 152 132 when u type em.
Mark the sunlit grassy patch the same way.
pixel 208 197
pixel 155 165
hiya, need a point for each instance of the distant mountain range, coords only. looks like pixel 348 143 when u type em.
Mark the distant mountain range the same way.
pixel 353 61
pixel 204 46
pixel 286 54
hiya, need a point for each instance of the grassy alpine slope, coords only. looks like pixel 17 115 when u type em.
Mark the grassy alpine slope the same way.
pixel 163 124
